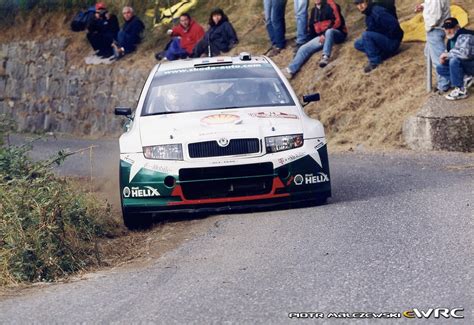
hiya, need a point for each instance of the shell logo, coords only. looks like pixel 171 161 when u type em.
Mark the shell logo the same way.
pixel 217 119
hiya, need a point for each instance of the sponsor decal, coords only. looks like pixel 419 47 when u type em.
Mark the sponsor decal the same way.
pixel 299 179
pixel 220 162
pixel 274 115
pixel 217 67
pixel 148 191
pixel 319 146
pixel 217 119
pixel 291 158
pixel 223 142
pixel 310 179
pixel 129 160
pixel 157 167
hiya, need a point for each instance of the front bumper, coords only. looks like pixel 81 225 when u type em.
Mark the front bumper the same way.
pixel 292 176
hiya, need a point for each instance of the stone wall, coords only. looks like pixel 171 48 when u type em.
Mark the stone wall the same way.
pixel 42 91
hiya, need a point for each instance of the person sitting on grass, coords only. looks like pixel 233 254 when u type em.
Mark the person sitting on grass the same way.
pixel 102 31
pixel 130 34
pixel 457 63
pixel 383 36
pixel 185 36
pixel 327 26
pixel 220 37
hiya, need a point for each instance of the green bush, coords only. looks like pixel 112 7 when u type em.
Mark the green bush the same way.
pixel 48 228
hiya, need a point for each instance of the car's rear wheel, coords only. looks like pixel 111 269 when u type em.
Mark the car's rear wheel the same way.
pixel 137 221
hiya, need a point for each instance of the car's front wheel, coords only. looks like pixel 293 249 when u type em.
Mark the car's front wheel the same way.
pixel 137 221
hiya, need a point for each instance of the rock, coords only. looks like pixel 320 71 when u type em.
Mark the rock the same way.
pixel 442 125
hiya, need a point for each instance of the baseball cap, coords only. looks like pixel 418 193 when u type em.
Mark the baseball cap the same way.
pixel 100 6
pixel 450 22
pixel 358 1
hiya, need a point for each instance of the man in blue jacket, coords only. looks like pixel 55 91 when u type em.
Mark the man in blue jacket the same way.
pixel 457 63
pixel 382 37
pixel 130 34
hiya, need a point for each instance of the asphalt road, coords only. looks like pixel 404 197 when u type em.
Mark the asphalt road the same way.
pixel 397 234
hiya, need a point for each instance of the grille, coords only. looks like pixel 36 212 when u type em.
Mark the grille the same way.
pixel 228 181
pixel 212 149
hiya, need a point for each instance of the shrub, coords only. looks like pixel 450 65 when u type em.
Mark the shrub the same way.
pixel 48 228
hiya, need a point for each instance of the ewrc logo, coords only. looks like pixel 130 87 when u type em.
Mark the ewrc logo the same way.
pixel 137 192
pixel 311 179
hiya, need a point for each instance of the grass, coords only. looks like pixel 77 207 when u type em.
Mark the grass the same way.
pixel 48 227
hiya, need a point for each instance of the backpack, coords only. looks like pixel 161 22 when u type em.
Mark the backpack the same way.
pixel 82 19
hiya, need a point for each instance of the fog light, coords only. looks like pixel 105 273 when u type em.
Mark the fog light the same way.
pixel 170 181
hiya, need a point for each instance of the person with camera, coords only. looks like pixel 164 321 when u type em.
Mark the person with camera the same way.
pixel 102 31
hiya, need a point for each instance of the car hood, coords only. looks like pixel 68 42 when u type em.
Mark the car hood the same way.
pixel 211 125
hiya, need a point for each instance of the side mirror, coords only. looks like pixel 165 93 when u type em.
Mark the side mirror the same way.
pixel 311 98
pixel 123 111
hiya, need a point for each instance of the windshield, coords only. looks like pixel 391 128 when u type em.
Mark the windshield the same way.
pixel 217 87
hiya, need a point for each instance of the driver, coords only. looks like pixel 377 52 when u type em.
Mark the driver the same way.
pixel 171 100
pixel 245 91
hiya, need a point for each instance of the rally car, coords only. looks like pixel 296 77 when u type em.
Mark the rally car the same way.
pixel 212 134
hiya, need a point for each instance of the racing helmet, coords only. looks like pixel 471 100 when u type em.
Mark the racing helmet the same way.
pixel 171 100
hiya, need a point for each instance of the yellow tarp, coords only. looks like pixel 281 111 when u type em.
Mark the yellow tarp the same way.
pixel 166 16
pixel 414 28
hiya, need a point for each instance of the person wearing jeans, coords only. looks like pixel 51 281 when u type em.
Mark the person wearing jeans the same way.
pixel 434 13
pixel 327 27
pixel 301 16
pixel 457 63
pixel 382 37
pixel 275 24
pixel 130 34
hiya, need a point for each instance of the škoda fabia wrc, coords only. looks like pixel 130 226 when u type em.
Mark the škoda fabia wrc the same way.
pixel 212 134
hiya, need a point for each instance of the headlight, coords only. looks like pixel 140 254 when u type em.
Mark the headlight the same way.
pixel 284 142
pixel 166 152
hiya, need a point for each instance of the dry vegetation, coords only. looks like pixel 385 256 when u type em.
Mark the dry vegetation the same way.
pixel 357 109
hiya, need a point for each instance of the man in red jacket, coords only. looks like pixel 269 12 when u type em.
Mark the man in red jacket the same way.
pixel 185 36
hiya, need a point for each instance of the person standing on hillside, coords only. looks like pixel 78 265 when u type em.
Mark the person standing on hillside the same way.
pixel 301 17
pixel 102 31
pixel 327 26
pixel 382 37
pixel 275 24
pixel 220 37
pixel 434 13
pixel 185 37
pixel 457 63
pixel 130 34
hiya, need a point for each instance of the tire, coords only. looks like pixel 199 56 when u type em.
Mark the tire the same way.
pixel 133 220
pixel 137 221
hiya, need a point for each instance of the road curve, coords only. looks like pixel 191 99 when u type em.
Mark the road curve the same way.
pixel 397 234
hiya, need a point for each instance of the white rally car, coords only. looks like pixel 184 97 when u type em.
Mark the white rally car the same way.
pixel 212 134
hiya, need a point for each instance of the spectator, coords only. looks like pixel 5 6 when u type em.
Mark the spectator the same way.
pixel 220 37
pixel 382 37
pixel 102 31
pixel 434 13
pixel 130 34
pixel 387 4
pixel 457 63
pixel 185 37
pixel 301 17
pixel 327 26
pixel 275 24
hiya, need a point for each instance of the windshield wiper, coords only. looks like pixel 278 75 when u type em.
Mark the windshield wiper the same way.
pixel 163 113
